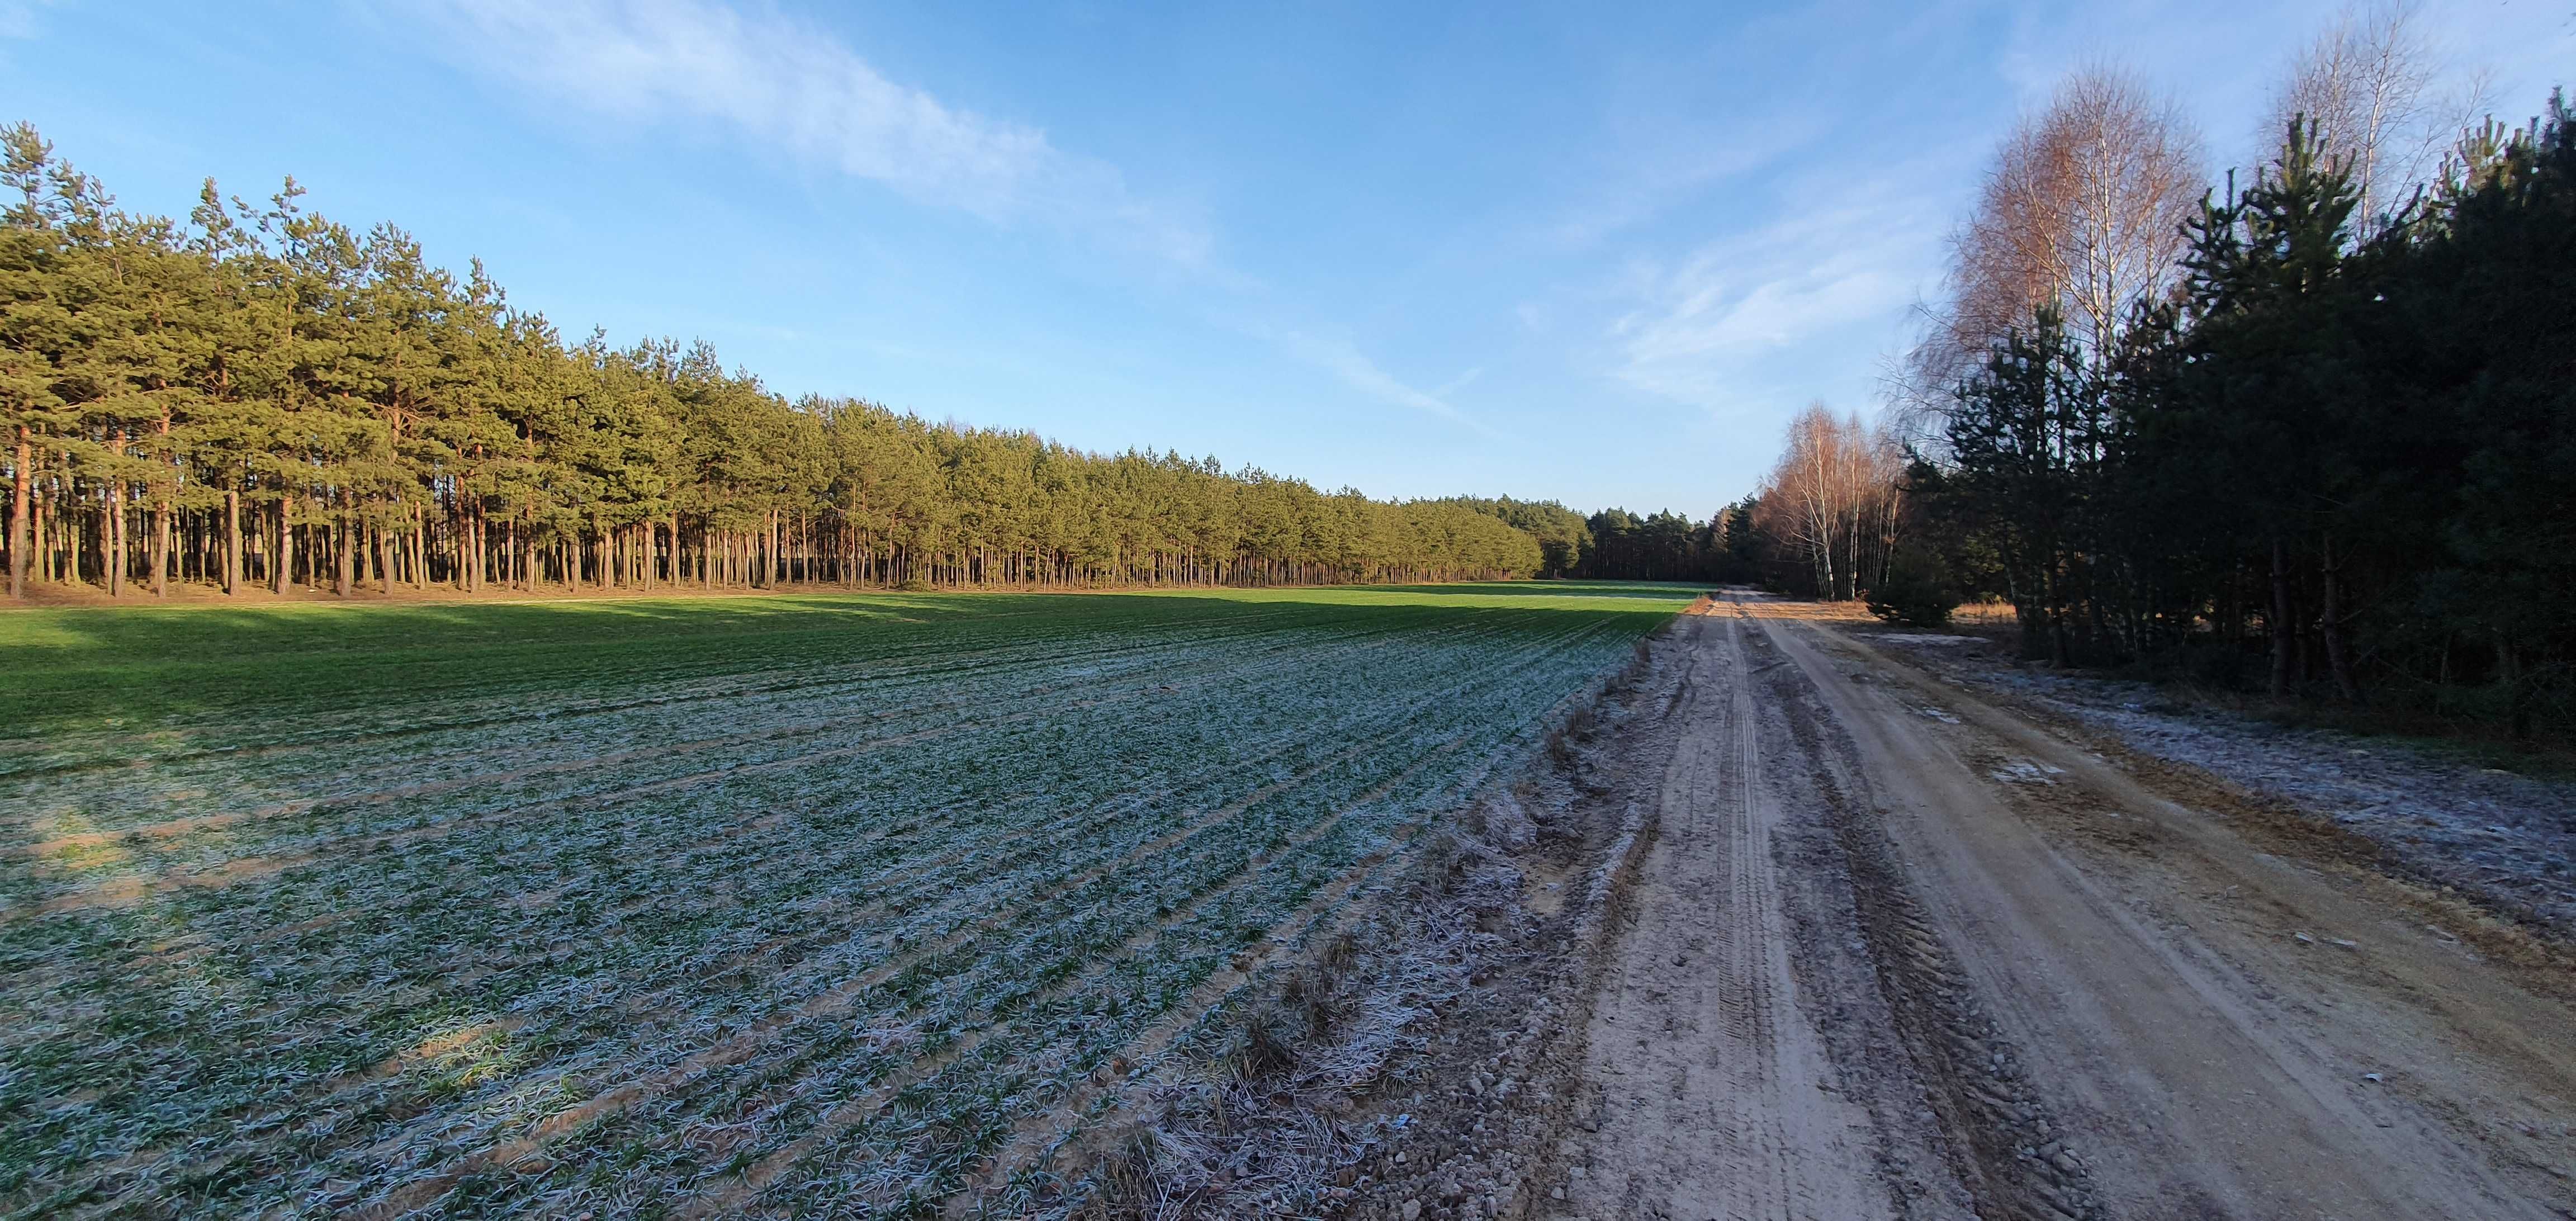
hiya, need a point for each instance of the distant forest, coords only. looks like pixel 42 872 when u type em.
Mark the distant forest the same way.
pixel 263 396
pixel 1616 545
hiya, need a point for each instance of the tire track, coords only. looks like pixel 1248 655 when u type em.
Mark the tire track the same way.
pixel 1718 1096
pixel 1971 1072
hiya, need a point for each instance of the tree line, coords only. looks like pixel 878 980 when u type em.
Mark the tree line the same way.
pixel 2310 430
pixel 1615 544
pixel 262 396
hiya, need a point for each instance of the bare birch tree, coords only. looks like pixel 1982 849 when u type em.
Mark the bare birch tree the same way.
pixel 2366 87
pixel 2082 210
pixel 1832 498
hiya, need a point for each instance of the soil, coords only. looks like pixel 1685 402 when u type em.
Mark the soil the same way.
pixel 1825 934
pixel 2507 840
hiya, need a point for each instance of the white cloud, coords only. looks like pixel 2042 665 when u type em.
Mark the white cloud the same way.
pixel 1344 360
pixel 784 83
pixel 1664 162
pixel 18 17
pixel 1449 389
pixel 1715 326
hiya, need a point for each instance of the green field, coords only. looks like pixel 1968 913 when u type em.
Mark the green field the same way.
pixel 793 904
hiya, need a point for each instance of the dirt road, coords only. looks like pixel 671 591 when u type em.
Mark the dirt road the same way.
pixel 1899 952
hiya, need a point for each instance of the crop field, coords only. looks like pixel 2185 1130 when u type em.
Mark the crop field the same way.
pixel 803 904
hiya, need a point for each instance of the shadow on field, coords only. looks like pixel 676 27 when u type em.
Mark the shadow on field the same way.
pixel 1653 591
pixel 139 668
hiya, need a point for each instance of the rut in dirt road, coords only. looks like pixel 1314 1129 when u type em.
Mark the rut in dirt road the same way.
pixel 1895 952
pixel 1716 1101
pixel 1729 1079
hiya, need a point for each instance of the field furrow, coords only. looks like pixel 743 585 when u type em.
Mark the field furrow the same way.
pixel 756 937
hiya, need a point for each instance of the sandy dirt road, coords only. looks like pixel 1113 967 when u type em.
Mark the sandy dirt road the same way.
pixel 1898 952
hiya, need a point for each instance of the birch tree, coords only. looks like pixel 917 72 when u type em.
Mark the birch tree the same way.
pixel 1833 499
pixel 2366 88
pixel 2081 212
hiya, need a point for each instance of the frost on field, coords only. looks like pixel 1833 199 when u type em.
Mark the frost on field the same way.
pixel 710 936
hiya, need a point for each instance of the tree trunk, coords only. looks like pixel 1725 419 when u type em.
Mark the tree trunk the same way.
pixel 67 523
pixel 417 542
pixel 21 521
pixel 67 561
pixel 112 547
pixel 2517 693
pixel 2053 589
pixel 2338 648
pixel 232 541
pixel 285 557
pixel 161 549
pixel 2282 644
pixel 344 560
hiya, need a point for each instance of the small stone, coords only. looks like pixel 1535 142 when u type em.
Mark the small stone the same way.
pixel 2371 1077
pixel 1412 1209
pixel 1556 1193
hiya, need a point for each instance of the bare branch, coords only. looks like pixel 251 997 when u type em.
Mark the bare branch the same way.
pixel 2082 210
pixel 2367 86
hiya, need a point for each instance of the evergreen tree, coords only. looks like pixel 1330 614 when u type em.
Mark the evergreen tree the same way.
pixel 265 394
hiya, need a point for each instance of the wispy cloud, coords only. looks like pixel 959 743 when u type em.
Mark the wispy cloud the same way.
pixel 1344 360
pixel 799 89
pixel 1714 326
pixel 18 17
pixel 1450 388
pixel 1660 163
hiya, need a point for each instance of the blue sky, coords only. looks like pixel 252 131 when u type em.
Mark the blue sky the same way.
pixel 1597 253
